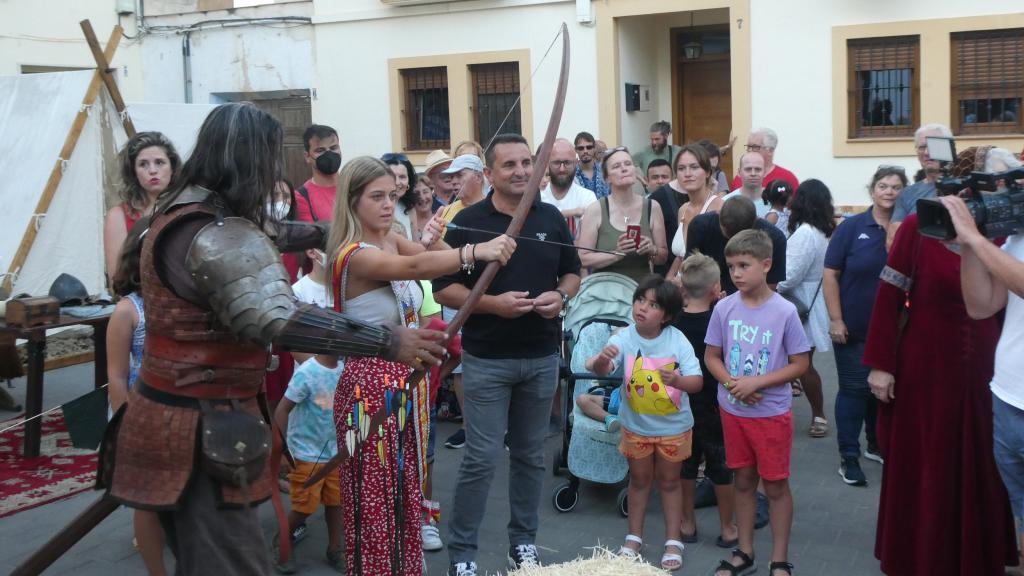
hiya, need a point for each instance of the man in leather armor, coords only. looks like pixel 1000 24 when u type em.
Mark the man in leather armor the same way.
pixel 192 441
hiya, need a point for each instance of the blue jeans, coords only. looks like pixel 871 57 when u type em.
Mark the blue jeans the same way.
pixel 855 405
pixel 1008 436
pixel 500 395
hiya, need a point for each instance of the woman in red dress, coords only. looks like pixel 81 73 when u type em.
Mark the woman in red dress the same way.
pixel 943 508
pixel 373 276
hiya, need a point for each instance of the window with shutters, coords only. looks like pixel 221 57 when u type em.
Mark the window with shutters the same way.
pixel 495 99
pixel 883 86
pixel 425 109
pixel 987 81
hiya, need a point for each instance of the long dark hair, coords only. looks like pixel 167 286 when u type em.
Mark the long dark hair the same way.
pixel 813 205
pixel 131 191
pixel 237 156
pixel 408 199
pixel 127 277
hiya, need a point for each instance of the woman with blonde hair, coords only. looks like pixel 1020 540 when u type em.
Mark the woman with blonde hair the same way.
pixel 468 147
pixel 374 273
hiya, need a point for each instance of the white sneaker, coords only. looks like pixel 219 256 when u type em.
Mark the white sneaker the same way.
pixel 431 538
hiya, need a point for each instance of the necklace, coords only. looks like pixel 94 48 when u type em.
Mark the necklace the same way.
pixel 622 210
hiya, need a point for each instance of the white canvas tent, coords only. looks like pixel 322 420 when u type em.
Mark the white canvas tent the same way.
pixel 36 113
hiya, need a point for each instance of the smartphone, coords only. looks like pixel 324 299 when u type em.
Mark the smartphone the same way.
pixel 633 233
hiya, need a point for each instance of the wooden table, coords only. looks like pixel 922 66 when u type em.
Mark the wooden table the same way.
pixel 36 336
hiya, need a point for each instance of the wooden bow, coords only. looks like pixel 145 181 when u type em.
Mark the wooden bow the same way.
pixel 514 227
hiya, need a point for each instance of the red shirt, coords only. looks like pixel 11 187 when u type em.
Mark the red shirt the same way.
pixel 777 173
pixel 322 200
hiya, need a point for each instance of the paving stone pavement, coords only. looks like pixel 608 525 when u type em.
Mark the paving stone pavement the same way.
pixel 833 530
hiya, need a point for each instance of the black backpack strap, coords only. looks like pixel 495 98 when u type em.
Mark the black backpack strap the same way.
pixel 305 194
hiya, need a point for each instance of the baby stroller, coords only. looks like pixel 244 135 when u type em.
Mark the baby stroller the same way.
pixel 604 303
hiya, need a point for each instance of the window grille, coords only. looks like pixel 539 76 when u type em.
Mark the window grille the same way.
pixel 987 81
pixel 883 86
pixel 425 108
pixel 495 93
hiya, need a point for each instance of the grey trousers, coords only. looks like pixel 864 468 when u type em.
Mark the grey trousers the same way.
pixel 210 540
pixel 500 395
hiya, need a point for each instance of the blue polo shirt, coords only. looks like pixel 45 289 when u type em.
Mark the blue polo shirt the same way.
pixel 857 251
pixel 906 202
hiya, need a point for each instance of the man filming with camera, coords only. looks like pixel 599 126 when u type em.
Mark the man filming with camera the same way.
pixel 992 278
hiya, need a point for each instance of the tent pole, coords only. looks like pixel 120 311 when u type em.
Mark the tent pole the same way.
pixel 56 173
pixel 104 69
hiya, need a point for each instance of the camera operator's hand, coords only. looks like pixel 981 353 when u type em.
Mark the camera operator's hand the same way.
pixel 966 229
pixel 882 385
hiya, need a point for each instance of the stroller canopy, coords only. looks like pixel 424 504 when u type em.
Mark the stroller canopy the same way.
pixel 602 296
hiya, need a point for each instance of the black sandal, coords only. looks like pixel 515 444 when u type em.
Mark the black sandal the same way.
pixel 780 566
pixel 743 569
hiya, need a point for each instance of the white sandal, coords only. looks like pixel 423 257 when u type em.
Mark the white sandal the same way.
pixel 627 552
pixel 670 561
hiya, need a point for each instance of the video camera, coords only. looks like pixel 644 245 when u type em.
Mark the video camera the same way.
pixel 997 214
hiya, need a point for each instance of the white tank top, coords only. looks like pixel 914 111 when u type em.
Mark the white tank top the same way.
pixel 679 240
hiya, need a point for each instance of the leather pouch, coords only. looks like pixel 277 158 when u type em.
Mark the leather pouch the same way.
pixel 235 444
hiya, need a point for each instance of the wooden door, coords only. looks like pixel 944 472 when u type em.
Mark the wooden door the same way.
pixel 295 114
pixel 705 91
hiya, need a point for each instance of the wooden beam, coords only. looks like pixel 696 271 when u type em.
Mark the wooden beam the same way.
pixel 103 67
pixel 65 154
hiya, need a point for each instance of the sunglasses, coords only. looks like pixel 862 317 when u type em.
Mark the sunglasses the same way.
pixel 393 156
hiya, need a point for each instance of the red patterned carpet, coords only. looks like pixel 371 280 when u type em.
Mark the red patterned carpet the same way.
pixel 59 472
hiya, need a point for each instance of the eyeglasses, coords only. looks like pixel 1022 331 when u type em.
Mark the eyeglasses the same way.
pixel 393 156
pixel 561 163
pixel 757 147
pixel 583 148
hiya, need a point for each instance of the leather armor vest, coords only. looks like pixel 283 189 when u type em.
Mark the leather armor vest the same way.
pixel 188 351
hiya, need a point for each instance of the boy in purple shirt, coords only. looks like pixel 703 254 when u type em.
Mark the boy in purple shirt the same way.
pixel 755 348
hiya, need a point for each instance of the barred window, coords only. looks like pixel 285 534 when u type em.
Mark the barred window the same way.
pixel 495 95
pixel 883 86
pixel 425 109
pixel 988 81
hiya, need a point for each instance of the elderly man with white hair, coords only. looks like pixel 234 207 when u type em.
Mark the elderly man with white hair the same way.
pixel 764 141
pixel 906 204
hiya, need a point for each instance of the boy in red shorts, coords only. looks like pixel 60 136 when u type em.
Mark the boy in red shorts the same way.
pixel 755 348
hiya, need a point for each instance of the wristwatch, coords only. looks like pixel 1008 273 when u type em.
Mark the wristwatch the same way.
pixel 565 301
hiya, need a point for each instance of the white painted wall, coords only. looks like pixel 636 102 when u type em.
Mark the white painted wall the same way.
pixel 792 80
pixel 352 57
pixel 645 45
pixel 236 59
pixel 47 33
pixel 638 46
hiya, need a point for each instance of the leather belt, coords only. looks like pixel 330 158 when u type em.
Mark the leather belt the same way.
pixel 203 391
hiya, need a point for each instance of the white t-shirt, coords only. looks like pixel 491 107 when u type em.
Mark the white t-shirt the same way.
pixel 576 197
pixel 308 291
pixel 759 205
pixel 1008 380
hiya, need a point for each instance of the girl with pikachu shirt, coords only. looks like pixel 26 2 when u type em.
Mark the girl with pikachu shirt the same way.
pixel 661 369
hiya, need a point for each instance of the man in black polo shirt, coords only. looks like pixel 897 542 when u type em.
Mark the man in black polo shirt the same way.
pixel 710 231
pixel 510 354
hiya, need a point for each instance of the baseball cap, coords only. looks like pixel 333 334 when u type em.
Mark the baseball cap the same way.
pixel 471 161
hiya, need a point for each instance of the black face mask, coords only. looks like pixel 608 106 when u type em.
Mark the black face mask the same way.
pixel 328 163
